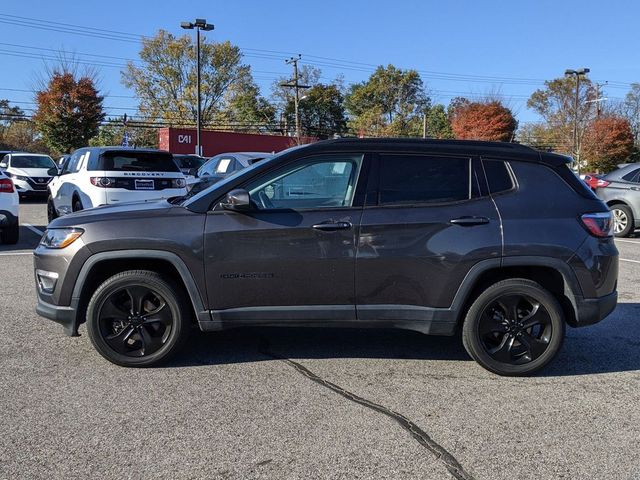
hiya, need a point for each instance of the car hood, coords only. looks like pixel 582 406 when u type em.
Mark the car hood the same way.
pixel 129 210
pixel 30 172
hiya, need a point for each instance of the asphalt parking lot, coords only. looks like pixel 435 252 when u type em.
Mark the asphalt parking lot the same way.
pixel 260 403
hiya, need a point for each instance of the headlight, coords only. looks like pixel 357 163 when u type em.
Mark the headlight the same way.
pixel 17 177
pixel 60 237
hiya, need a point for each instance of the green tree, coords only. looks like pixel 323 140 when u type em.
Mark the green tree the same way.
pixel 165 80
pixel 245 109
pixel 321 111
pixel 391 102
pixel 438 123
pixel 555 103
pixel 69 110
pixel 112 133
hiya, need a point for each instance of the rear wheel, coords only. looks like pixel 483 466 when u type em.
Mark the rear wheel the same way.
pixel 515 327
pixel 623 221
pixel 10 235
pixel 52 214
pixel 138 319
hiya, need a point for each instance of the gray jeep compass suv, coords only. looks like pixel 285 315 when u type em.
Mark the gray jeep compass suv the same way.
pixel 498 240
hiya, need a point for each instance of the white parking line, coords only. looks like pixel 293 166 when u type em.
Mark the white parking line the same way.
pixel 627 260
pixel 8 254
pixel 626 241
pixel 35 230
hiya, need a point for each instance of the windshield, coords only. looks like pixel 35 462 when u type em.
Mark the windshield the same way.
pixel 188 161
pixel 133 161
pixel 32 161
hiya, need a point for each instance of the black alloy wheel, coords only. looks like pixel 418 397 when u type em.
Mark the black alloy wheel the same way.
pixel 138 318
pixel 514 327
pixel 51 210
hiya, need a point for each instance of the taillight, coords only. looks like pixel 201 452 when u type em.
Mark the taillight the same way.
pixel 6 185
pixel 598 224
pixel 104 182
pixel 602 183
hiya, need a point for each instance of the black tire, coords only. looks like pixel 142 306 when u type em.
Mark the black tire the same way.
pixel 623 221
pixel 123 338
pixel 506 346
pixel 10 235
pixel 76 205
pixel 52 214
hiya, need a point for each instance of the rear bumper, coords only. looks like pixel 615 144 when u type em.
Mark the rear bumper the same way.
pixel 65 316
pixel 593 310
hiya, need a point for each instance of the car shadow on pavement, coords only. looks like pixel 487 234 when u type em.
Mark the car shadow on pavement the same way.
pixel 257 344
pixel 608 347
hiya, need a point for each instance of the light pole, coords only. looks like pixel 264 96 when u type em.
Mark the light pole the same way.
pixel 199 24
pixel 577 73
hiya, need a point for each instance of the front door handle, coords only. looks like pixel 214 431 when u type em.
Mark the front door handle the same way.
pixel 469 221
pixel 635 188
pixel 332 226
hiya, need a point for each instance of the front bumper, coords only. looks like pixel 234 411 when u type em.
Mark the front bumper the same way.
pixel 593 310
pixel 65 316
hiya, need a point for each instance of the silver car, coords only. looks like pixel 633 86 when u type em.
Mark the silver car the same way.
pixel 620 190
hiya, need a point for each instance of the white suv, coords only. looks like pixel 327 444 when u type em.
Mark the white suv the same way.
pixel 9 204
pixel 107 175
pixel 30 172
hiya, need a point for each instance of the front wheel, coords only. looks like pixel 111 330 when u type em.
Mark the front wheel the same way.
pixel 52 214
pixel 138 318
pixel 515 327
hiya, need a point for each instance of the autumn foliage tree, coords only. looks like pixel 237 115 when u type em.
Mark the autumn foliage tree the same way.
pixel 607 141
pixel 69 111
pixel 488 120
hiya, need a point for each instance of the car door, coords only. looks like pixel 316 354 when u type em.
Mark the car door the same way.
pixel 292 256
pixel 427 221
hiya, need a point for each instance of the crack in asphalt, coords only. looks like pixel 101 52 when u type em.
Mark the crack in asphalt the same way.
pixel 422 437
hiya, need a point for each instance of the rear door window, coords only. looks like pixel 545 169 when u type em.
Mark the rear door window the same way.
pixel 131 161
pixel 418 179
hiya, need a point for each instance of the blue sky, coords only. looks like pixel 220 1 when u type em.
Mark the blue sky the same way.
pixel 461 47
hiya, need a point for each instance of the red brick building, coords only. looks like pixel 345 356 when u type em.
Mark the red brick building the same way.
pixel 183 140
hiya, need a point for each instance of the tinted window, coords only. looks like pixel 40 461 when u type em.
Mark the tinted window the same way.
pixel 498 176
pixel 318 183
pixel 31 161
pixel 133 161
pixel 408 179
pixel 632 176
pixel 188 161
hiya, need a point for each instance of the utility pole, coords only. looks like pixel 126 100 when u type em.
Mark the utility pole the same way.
pixel 576 150
pixel 424 125
pixel 598 98
pixel 297 87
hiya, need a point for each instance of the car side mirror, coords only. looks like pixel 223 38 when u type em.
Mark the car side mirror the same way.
pixel 53 172
pixel 193 172
pixel 237 200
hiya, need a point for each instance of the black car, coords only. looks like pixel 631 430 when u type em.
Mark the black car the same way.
pixel 498 240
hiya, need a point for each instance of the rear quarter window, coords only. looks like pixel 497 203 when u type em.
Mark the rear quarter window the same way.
pixel 632 176
pixel 498 175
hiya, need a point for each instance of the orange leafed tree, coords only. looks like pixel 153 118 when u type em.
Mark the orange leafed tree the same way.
pixel 607 142
pixel 69 111
pixel 489 120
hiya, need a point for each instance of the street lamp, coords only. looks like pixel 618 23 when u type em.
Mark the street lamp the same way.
pixel 199 24
pixel 577 73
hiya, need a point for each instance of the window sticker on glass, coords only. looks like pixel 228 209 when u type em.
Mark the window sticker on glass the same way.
pixel 223 165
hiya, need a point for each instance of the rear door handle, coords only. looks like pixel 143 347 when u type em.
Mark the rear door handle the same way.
pixel 469 221
pixel 635 188
pixel 332 226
